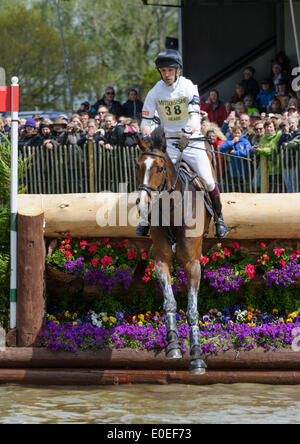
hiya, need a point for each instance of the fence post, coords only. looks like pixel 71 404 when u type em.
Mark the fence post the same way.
pixel 264 174
pixel 91 166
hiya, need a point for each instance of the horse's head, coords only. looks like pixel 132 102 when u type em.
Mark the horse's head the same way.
pixel 151 167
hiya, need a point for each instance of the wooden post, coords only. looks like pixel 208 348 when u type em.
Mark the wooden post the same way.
pixel 30 277
pixel 91 166
pixel 264 174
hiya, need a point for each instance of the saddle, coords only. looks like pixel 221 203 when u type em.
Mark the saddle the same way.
pixel 185 172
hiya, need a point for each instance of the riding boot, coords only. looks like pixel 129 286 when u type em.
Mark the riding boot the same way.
pixel 221 227
pixel 142 230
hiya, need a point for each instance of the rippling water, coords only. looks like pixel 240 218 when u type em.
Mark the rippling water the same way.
pixel 148 404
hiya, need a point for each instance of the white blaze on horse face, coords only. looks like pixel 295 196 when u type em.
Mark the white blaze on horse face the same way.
pixel 143 205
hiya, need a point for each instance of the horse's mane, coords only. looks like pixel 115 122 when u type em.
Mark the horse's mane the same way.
pixel 158 139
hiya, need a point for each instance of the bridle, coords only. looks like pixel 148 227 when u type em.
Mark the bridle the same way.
pixel 149 188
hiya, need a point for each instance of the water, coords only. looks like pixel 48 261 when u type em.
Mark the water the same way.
pixel 151 404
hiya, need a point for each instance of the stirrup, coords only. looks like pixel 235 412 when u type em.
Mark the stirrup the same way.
pixel 221 228
pixel 142 230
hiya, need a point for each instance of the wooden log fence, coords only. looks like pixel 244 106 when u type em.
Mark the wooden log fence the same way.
pixel 92 168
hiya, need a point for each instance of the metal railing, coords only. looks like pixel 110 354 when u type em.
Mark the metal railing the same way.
pixel 92 168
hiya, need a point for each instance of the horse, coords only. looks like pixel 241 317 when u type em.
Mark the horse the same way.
pixel 156 174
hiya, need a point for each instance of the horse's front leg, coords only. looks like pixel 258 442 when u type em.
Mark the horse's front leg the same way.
pixel 173 350
pixel 193 274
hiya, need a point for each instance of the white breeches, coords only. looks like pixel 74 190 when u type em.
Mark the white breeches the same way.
pixel 195 158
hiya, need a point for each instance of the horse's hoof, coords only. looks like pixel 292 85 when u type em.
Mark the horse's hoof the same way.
pixel 197 367
pixel 174 354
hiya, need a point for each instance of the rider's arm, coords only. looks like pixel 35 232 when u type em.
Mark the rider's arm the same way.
pixel 194 109
pixel 148 113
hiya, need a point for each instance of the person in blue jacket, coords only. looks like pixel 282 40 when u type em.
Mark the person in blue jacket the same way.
pixel 239 146
pixel 265 95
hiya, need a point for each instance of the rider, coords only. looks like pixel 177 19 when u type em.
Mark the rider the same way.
pixel 176 100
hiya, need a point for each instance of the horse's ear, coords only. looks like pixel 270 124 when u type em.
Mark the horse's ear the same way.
pixel 159 139
pixel 142 145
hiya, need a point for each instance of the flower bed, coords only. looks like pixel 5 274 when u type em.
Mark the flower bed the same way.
pixel 236 328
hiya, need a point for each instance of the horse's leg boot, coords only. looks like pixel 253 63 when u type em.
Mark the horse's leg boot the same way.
pixel 221 227
pixel 142 230
pixel 173 350
pixel 197 366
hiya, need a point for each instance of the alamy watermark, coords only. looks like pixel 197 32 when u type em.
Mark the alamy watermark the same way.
pixel 130 209
pixel 296 81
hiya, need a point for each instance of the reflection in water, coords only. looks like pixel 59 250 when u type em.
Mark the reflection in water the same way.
pixel 151 404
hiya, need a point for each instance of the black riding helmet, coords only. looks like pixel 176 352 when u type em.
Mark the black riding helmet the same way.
pixel 170 58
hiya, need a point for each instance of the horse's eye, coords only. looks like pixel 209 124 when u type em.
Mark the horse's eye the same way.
pixel 160 169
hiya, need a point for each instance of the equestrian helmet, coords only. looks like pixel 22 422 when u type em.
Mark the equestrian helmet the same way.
pixel 170 58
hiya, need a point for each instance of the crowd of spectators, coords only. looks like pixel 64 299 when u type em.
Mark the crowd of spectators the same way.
pixel 260 117
pixel 107 122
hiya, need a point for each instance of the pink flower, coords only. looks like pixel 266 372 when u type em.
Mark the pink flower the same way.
pixel 68 236
pixel 131 254
pixel 152 265
pixel 282 262
pixel 215 256
pixel 277 252
pixel 83 244
pixel 227 252
pixel 106 260
pixel 106 240
pixel 144 255
pixel 204 260
pixel 119 244
pixel 93 248
pixel 293 255
pixel 94 262
pixel 298 251
pixel 250 270
pixel 235 245
pixel 263 245
pixel 68 254
pixel 145 278
pixel 125 242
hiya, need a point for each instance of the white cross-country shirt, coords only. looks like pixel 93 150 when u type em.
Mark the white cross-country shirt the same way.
pixel 173 104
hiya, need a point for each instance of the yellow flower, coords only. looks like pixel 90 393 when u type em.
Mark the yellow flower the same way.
pixel 289 320
pixel 67 314
pixel 105 318
pixel 181 312
pixel 275 311
pixel 112 319
pixel 56 322
pixel 74 323
pixel 133 318
pixel 141 317
pixel 157 314
pixel 140 324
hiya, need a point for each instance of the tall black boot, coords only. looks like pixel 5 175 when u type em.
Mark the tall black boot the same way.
pixel 221 227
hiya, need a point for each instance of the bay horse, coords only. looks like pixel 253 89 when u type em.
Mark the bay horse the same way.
pixel 157 174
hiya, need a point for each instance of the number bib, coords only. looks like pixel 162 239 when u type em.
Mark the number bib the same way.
pixel 173 111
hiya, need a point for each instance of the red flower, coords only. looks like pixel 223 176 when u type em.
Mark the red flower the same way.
pixel 298 251
pixel 131 254
pixel 145 278
pixel 83 244
pixel 106 240
pixel 68 254
pixel 235 245
pixel 94 262
pixel 204 260
pixel 250 270
pixel 152 265
pixel 227 252
pixel 144 255
pixel 106 260
pixel 62 247
pixel 125 242
pixel 119 244
pixel 215 256
pixel 68 247
pixel 68 236
pixel 282 262
pixel 277 252
pixel 67 241
pixel 263 245
pixel 93 248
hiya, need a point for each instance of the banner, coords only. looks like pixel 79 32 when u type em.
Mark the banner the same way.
pixel 5 98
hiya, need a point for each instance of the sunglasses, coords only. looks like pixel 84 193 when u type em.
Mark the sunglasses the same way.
pixel 110 93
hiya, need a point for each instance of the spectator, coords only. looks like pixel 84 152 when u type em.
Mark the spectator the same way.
pixel 113 133
pixel 276 75
pixel 7 124
pixel 239 93
pixel 238 145
pixel 205 124
pixel 245 125
pixel 215 109
pixel 255 116
pixel 85 107
pixel 249 103
pixel 114 107
pixel 74 131
pixel 267 144
pixel 38 120
pixel 44 132
pixel 258 133
pixel 290 175
pixel 250 84
pixel 92 134
pixel 274 106
pixel 131 129
pixel 58 130
pixel 84 117
pixel 29 137
pixel 2 132
pixel 286 68
pixel 293 111
pixel 133 106
pixel 217 139
pixel 231 117
pixel 265 95
pixel 277 120
pixel 283 90
pixel 101 113
pixel 240 109
pixel 285 101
